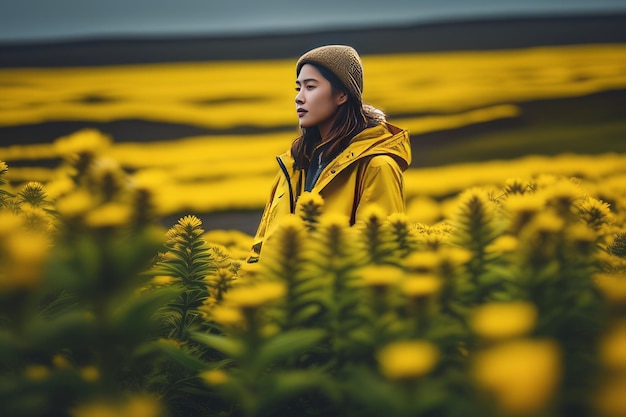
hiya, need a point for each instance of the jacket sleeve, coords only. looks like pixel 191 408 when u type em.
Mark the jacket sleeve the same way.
pixel 263 224
pixel 381 185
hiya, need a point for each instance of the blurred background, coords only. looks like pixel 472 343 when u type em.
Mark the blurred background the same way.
pixel 41 20
pixel 201 92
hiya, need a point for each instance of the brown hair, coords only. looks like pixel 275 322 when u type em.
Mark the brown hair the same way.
pixel 351 119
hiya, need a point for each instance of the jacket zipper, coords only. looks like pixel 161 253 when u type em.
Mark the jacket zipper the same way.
pixel 292 203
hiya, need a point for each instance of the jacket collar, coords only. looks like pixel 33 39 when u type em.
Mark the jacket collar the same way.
pixel 382 139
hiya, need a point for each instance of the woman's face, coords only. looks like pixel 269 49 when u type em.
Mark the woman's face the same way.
pixel 315 102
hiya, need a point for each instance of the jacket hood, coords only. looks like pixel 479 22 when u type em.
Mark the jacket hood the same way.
pixel 379 138
pixel 382 139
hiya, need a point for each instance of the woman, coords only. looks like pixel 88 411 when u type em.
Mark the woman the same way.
pixel 347 152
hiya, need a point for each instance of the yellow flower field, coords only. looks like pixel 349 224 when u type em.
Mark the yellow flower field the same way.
pixel 500 293
pixel 208 173
pixel 260 93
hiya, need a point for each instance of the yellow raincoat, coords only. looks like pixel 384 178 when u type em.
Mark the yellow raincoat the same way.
pixel 368 172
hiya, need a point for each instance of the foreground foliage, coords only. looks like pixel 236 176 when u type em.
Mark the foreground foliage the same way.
pixel 513 304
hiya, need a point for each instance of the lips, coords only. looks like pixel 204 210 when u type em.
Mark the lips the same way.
pixel 301 112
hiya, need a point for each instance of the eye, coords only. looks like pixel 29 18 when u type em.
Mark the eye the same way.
pixel 310 87
pixel 297 88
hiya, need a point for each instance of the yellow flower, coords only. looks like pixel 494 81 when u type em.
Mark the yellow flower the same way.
pixel 547 222
pixel 36 218
pixel 409 359
pixel 381 275
pixel 582 237
pixel 249 270
pixel 310 206
pixel 617 244
pixel 59 187
pixel 595 213
pixel 33 193
pixel 334 220
pixel 562 195
pixel 434 237
pixel 187 226
pixel 109 215
pixel 613 347
pixel 83 141
pixel 9 223
pixel 454 255
pixel 503 244
pixel 473 203
pixel 37 372
pixel 501 320
pixel 420 285
pixel 545 181
pixel 214 377
pixel 142 406
pixel 149 179
pixel 222 275
pixel 426 261
pixel 190 222
pixel 256 295
pixel 516 186
pixel 270 330
pixel 170 342
pixel 225 315
pixel 527 204
pixel 613 286
pixel 137 406
pixel 108 176
pixel 98 409
pixel 373 212
pixel 611 397
pixel 398 219
pixel 61 362
pixel 521 374
pixel 90 373
pixel 75 204
pixel 26 253
pixel 208 304
pixel 229 238
pixel 161 280
pixel 423 210
pixel 580 233
pixel 309 198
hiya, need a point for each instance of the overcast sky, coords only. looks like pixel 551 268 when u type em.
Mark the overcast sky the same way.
pixel 35 20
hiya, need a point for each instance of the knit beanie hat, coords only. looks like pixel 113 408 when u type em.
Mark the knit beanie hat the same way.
pixel 341 60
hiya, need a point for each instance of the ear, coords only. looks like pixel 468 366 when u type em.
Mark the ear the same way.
pixel 342 98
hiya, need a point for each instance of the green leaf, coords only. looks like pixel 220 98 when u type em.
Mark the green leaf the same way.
pixel 230 347
pixel 136 314
pixel 179 355
pixel 304 313
pixel 286 385
pixel 10 346
pixel 74 328
pixel 176 269
pixel 375 394
pixel 287 344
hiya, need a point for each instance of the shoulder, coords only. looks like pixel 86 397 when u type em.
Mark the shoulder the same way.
pixel 382 161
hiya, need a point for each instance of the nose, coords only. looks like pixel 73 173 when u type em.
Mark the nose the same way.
pixel 299 98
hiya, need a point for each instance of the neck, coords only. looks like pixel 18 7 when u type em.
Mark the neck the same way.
pixel 324 128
